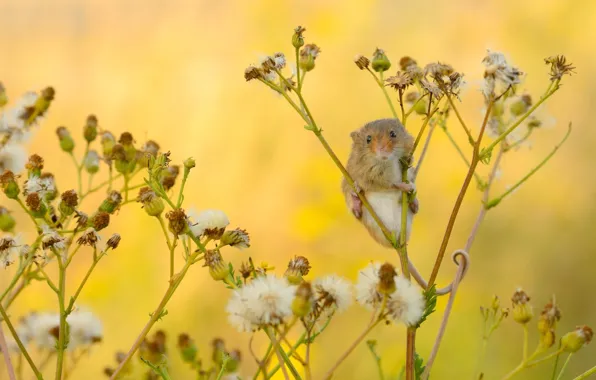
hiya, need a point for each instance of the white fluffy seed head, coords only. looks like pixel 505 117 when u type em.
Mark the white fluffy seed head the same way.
pixel 333 291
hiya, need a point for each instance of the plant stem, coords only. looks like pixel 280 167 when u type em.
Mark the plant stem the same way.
pixel 564 366
pixel 498 199
pixel 460 152
pixel 278 350
pixel 586 374
pixel 431 130
pixel 381 83
pixel 429 114
pixel 80 288
pixel 6 354
pixel 460 198
pixel 551 90
pixel 525 349
pixel 556 364
pixel 461 120
pixel 20 202
pixel 19 343
pixel 61 346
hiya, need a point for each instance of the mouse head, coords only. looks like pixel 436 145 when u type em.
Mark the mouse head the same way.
pixel 384 139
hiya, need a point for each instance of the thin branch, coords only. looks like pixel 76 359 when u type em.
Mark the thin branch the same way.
pixel 6 354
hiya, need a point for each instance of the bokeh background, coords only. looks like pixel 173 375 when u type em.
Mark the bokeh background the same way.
pixel 172 71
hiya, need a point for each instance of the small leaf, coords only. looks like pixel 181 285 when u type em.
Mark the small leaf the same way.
pixel 418 366
pixel 431 302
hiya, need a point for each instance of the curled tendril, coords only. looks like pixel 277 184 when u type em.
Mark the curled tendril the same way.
pixel 460 257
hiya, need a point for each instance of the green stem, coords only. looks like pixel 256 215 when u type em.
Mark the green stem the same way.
pixel 61 346
pixel 429 114
pixel 585 375
pixel 551 90
pixel 564 366
pixel 24 207
pixel 381 84
pixel 126 179
pixel 556 364
pixel 181 193
pixel 223 367
pixel 281 355
pixel 21 269
pixel 461 120
pixel 459 151
pixel 157 313
pixel 412 108
pixel 498 199
pixel 298 78
pixel 525 349
pixel 17 339
pixel 80 288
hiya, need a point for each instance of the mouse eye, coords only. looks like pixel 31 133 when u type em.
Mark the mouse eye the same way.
pixel 368 139
pixel 392 134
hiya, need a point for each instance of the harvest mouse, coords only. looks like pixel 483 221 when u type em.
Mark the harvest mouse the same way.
pixel 375 166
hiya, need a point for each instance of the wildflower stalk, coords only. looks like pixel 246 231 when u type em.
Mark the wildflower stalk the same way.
pixel 460 197
pixel 556 363
pixel 497 200
pixel 586 374
pixel 429 114
pixel 62 331
pixel 459 151
pixel 87 275
pixel 553 87
pixel 377 358
pixel 530 362
pixel 20 202
pixel 222 370
pixel 381 83
pixel 564 366
pixel 159 310
pixel 461 120
pixel 6 354
pixel 19 343
pixel 375 320
pixel 21 269
pixel 281 356
pixel 431 131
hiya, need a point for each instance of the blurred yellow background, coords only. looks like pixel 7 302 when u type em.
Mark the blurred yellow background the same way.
pixel 172 71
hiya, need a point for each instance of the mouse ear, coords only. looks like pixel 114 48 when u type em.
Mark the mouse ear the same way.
pixel 355 135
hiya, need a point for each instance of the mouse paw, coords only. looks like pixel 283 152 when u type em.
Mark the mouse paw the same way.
pixel 357 187
pixel 356 206
pixel 407 187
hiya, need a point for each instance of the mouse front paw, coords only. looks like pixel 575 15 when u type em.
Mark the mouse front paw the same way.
pixel 406 187
pixel 356 206
pixel 414 206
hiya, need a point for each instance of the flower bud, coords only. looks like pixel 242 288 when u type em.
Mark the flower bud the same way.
pixel 7 222
pixel 37 207
pixel 573 341
pixel 380 62
pixel 233 362
pixel 362 62
pixel 82 219
pixel 89 237
pixel 189 163
pixel 498 109
pixel 107 143
pixel 549 317
pixel 91 162
pixel 122 163
pixel 235 238
pixel 90 129
pixel 111 203
pixel 303 302
pixel 407 62
pixel 69 203
pixel 127 141
pixel 421 108
pixel 251 73
pixel 218 268
pixel 9 184
pixel 522 310
pixel 152 204
pixel 34 165
pixel 177 221
pixel 99 220
pixel 387 275
pixel 521 105
pixel 495 304
pixel 169 175
pixel 148 150
pixel 114 241
pixel 308 55
pixel 297 268
pixel 67 144
pixel 219 350
pixel 188 348
pixel 49 185
pixel 297 38
pixel 547 339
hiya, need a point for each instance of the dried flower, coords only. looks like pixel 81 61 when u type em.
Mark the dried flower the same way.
pixel 522 310
pixel 431 88
pixel 235 238
pixel 362 62
pixel 559 66
pixel 188 348
pixel 148 149
pixel 218 268
pixel 245 270
pixel 573 341
pixel 84 329
pixel 210 223
pixel 40 328
pixel 297 38
pixel 279 60
pixel 89 237
pixel 308 55
pixel 267 300
pixel 400 81
pixel 177 221
pixel 67 143
pixel 152 204
pixel 69 203
pixel 304 300
pixel 8 251
pixel 549 317
pixel 405 63
pixel 34 165
pixel 90 129
pixel 82 219
pixel 498 70
pixel 387 276
pixel 114 241
pixel 407 303
pixel 112 202
pixel 380 62
pixel 169 176
pixel 9 185
pixel 251 73
pixel 297 268
pixel 7 222
pixel 35 204
pixel 52 239
pixel 99 220
pixel 333 292
pixel 44 185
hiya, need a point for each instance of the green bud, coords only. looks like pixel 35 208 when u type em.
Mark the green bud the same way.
pixel 107 143
pixel 36 205
pixel 189 163
pixel 498 109
pixel 421 107
pixel 219 350
pixel 218 268
pixel 297 38
pixel 67 144
pixel 152 204
pixel 111 203
pixel 91 162
pixel 69 203
pixel 188 348
pixel 308 54
pixel 34 166
pixel 575 340
pixel 7 222
pixel 492 203
pixel 303 302
pixel 233 362
pixel 297 268
pixel 9 185
pixel 521 310
pixel 380 62
pixel 90 129
pixel 518 108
